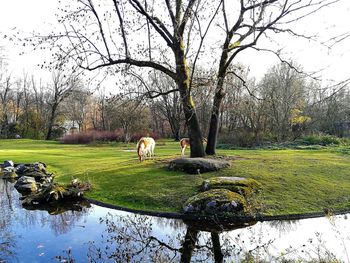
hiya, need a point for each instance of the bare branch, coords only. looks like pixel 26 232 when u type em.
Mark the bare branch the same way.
pixel 155 22
pixel 244 83
pixel 139 63
pixel 171 13
pixel 186 16
pixel 121 22
pixel 93 10
pixel 278 55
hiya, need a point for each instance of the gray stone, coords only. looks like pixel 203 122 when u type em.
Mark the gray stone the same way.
pixel 8 163
pixel 26 180
pixel 40 166
pixel 216 201
pixel 8 172
pixel 189 209
pixel 197 165
pixel 211 204
pixel 26 184
pixel 36 170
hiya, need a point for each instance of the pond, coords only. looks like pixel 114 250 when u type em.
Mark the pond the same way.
pixel 86 232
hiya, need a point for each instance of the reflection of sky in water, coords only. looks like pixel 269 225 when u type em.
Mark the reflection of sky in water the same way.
pixel 37 236
pixel 304 239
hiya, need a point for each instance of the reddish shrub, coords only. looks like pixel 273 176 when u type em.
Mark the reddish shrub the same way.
pixel 103 136
pixel 91 136
pixel 77 138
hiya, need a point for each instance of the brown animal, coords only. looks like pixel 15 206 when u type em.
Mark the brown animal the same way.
pixel 185 142
pixel 145 147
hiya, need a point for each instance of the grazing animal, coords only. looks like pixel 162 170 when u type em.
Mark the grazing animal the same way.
pixel 185 142
pixel 145 147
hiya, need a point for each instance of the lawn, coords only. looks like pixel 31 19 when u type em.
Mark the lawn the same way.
pixel 293 181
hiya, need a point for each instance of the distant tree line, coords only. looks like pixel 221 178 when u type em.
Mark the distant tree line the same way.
pixel 283 106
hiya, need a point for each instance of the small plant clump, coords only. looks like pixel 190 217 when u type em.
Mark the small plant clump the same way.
pixel 324 140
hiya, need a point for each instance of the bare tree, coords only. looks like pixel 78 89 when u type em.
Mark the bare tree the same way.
pixel 172 37
pixel 135 34
pixel 284 92
pixel 38 108
pixel 5 93
pixel 76 107
pixel 168 105
pixel 61 87
pixel 254 20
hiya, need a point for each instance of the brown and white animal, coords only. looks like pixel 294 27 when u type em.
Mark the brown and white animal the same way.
pixel 185 142
pixel 145 147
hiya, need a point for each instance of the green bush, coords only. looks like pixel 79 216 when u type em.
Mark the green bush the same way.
pixel 324 140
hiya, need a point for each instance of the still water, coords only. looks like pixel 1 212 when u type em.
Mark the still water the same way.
pixel 90 233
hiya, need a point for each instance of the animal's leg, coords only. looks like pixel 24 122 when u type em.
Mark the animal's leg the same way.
pixel 183 151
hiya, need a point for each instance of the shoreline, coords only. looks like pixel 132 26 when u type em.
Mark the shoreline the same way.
pixel 223 219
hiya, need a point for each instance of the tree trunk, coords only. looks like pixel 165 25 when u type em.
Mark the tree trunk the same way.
pixel 51 122
pixel 183 82
pixel 218 98
pixel 188 245
pixel 214 119
pixel 218 256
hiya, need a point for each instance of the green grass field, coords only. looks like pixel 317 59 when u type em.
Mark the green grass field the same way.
pixel 294 181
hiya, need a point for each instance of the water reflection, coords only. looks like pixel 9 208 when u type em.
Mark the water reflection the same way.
pixel 7 238
pixel 18 225
pixel 133 238
pixel 90 233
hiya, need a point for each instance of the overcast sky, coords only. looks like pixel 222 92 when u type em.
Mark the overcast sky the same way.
pixel 39 15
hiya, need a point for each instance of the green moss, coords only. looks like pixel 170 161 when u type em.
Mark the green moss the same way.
pixel 234 45
pixel 191 102
pixel 244 186
pixel 220 195
pixel 182 46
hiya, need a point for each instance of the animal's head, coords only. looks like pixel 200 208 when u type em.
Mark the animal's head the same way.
pixel 204 140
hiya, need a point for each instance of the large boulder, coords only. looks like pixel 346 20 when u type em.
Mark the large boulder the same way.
pixel 8 173
pixel 36 170
pixel 197 165
pixel 26 184
pixel 243 186
pixel 216 201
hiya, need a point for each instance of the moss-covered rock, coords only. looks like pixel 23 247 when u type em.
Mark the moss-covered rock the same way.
pixel 216 201
pixel 243 186
pixel 53 192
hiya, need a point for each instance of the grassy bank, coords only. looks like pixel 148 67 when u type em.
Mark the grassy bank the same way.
pixel 294 181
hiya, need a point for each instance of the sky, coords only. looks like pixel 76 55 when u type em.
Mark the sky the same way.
pixel 39 16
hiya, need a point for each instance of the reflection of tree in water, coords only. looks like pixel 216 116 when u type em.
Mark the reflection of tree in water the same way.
pixel 134 238
pixel 7 238
pixel 172 223
pixel 131 239
pixel 61 219
pixel 284 226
